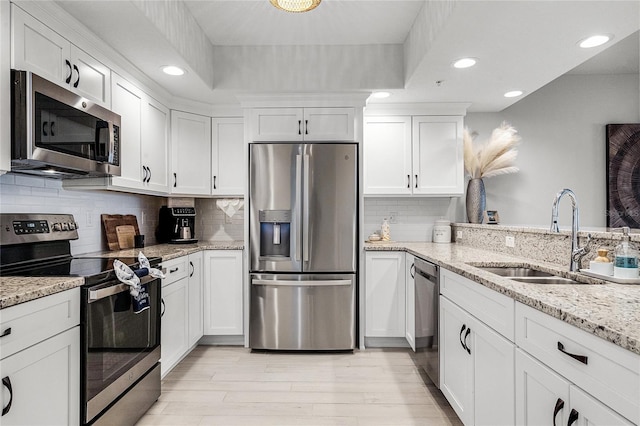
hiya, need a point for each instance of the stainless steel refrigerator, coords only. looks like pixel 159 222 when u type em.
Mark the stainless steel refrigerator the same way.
pixel 303 210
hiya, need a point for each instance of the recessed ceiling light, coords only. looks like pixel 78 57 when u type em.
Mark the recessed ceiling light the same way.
pixel 594 41
pixel 464 63
pixel 513 94
pixel 172 70
pixel 381 95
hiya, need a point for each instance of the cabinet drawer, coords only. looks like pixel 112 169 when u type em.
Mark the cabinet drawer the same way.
pixel 494 309
pixel 39 319
pixel 608 372
pixel 175 269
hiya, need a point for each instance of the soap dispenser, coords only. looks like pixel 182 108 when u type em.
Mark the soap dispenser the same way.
pixel 626 257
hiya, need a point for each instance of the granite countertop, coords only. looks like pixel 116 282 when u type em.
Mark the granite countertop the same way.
pixel 608 310
pixel 15 290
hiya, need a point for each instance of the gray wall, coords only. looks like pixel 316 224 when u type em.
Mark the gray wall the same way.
pixel 562 126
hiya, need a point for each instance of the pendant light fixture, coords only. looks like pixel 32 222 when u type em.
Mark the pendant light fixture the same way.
pixel 296 6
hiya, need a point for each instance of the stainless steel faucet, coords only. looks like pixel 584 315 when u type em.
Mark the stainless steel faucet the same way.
pixel 577 253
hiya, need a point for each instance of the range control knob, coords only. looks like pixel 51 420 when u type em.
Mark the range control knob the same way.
pixel 65 226
pixel 72 226
pixel 56 227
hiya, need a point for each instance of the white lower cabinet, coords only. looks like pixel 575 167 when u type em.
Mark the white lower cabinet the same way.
pixel 410 301
pixel 223 293
pixel 556 359
pixel 196 275
pixel 174 338
pixel 385 294
pixel 545 397
pixel 40 368
pixel 476 368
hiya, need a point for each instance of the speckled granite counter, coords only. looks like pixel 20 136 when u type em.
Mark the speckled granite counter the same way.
pixel 608 310
pixel 15 290
pixel 172 251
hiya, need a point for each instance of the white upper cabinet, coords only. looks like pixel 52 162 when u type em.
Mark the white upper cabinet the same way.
pixel 387 156
pixel 37 48
pixel 419 155
pixel 144 136
pixel 438 163
pixel 228 162
pixel 190 153
pixel 303 124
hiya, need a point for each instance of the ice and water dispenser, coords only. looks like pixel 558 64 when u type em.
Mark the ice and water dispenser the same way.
pixel 275 229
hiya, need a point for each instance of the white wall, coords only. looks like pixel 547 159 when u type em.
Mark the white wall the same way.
pixel 563 146
pixel 25 194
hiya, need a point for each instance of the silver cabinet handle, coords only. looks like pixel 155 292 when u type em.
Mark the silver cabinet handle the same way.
pixel 291 283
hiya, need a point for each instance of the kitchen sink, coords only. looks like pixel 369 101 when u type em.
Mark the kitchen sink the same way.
pixel 527 275
pixel 546 280
pixel 514 271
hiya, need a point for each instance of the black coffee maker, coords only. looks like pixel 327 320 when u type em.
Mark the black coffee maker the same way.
pixel 176 225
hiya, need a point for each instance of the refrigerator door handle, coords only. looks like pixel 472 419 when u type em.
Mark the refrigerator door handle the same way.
pixel 293 283
pixel 298 210
pixel 306 212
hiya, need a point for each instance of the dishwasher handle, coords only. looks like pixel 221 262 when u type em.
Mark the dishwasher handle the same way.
pixel 426 269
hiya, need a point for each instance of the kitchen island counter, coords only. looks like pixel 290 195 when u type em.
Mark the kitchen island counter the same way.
pixel 608 310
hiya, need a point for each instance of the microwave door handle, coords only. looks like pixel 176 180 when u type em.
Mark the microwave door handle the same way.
pixel 306 212
pixel 299 209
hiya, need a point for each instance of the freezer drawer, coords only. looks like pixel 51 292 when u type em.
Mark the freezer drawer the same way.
pixel 302 312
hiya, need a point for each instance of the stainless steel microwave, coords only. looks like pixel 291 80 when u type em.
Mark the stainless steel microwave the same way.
pixel 60 134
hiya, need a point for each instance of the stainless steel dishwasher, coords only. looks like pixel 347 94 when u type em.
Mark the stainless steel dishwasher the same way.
pixel 427 292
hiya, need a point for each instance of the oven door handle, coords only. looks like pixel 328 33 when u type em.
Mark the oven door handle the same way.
pixel 101 293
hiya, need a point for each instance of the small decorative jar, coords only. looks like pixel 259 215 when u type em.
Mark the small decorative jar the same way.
pixel 385 231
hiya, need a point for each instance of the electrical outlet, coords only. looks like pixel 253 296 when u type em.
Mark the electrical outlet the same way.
pixel 458 235
pixel 88 220
pixel 393 217
pixel 510 241
pixel 143 218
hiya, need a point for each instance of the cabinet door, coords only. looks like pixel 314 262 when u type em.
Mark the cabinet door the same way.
pixel 387 156
pixel 328 124
pixel 592 412
pixel 228 162
pixel 195 298
pixel 277 124
pixel 542 396
pixel 155 143
pixel 127 101
pixel 92 79
pixel 456 362
pixel 493 376
pixel 37 48
pixel 410 306
pixel 385 294
pixel 438 163
pixel 190 153
pixel 223 309
pixel 175 324
pixel 45 382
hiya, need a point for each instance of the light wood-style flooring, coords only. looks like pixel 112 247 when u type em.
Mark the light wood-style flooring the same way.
pixel 233 386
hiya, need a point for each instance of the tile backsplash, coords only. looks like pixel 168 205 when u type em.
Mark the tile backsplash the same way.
pixel 213 224
pixel 26 194
pixel 414 217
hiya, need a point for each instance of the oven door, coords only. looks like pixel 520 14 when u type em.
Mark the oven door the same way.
pixel 119 346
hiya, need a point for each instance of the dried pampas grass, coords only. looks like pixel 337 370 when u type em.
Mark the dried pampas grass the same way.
pixel 495 157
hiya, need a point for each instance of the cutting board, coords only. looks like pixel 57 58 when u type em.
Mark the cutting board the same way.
pixel 111 221
pixel 125 234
